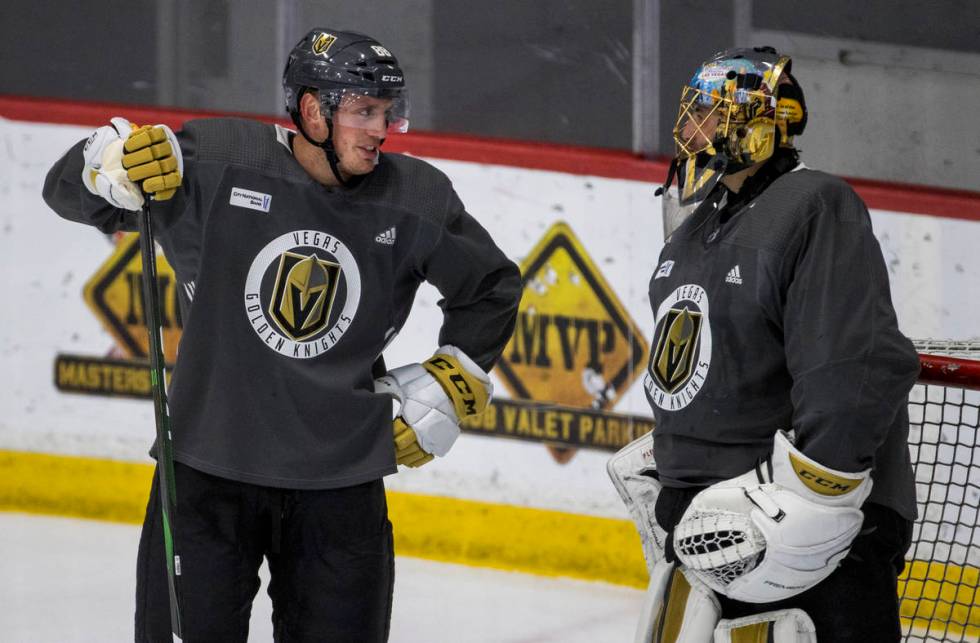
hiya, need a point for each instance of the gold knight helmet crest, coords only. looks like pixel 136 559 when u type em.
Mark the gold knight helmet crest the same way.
pixel 323 42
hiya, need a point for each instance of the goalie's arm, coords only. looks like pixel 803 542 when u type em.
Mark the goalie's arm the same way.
pixel 851 366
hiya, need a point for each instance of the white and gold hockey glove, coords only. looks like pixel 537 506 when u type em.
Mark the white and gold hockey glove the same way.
pixel 774 531
pixel 119 156
pixel 434 396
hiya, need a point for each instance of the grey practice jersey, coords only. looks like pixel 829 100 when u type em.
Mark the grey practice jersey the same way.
pixel 291 291
pixel 779 318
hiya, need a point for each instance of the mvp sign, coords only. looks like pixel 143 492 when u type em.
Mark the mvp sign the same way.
pixel 115 295
pixel 574 343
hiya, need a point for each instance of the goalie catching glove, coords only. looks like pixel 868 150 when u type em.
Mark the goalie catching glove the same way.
pixel 119 156
pixel 434 397
pixel 775 531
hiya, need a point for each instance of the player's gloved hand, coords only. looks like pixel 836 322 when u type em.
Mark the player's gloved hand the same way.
pixel 434 397
pixel 153 157
pixel 118 156
pixel 104 174
pixel 408 451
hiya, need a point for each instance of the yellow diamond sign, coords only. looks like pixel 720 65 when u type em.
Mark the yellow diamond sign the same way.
pixel 115 295
pixel 574 343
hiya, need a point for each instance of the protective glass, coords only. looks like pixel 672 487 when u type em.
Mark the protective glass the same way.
pixel 384 110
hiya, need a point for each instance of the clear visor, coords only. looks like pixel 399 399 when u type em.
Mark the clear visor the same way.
pixel 694 183
pixel 365 109
pixel 674 212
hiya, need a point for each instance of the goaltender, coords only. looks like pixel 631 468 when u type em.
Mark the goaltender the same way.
pixel 779 498
pixel 298 258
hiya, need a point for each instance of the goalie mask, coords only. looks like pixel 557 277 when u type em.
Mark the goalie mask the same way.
pixel 739 106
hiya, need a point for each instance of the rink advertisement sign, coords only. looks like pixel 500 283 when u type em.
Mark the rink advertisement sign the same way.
pixel 560 427
pixel 103 376
pixel 574 346
pixel 574 343
pixel 114 294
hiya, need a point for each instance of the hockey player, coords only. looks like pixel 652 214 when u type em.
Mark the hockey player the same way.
pixel 779 499
pixel 298 258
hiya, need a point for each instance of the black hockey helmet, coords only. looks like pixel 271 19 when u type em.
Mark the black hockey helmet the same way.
pixel 344 66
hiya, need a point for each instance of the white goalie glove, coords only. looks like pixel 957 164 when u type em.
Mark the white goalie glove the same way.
pixel 434 396
pixel 775 531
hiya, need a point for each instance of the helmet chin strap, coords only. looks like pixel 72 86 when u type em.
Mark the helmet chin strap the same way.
pixel 327 146
pixel 328 150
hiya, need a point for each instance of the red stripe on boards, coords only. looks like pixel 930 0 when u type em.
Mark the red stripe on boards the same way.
pixel 586 161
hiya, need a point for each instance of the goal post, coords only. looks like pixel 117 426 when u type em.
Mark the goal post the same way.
pixel 939 588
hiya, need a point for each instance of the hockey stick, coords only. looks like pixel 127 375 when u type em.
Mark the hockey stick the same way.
pixel 158 382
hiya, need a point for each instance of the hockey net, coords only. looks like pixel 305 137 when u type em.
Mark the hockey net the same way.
pixel 939 587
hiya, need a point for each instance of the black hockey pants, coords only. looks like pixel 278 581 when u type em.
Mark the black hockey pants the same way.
pixel 330 559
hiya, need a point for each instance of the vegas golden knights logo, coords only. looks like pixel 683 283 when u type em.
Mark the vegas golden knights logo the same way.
pixel 323 42
pixel 303 294
pixel 673 358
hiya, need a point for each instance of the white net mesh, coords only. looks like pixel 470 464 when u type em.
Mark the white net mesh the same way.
pixel 938 590
pixel 720 546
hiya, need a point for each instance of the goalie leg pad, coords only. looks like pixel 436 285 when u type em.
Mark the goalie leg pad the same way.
pixel 677 608
pixel 631 470
pixel 782 626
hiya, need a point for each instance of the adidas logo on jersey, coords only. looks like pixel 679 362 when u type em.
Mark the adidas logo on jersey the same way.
pixel 734 276
pixel 664 269
pixel 387 237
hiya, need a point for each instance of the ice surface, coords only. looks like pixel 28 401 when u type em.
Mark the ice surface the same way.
pixel 72 581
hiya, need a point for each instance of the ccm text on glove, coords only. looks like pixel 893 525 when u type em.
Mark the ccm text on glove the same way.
pixel 434 396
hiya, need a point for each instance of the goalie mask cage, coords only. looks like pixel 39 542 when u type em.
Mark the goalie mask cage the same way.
pixel 938 589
